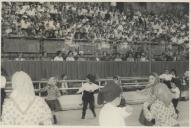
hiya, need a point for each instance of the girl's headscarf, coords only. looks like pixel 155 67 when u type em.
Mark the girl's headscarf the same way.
pixel 23 91
pixel 162 93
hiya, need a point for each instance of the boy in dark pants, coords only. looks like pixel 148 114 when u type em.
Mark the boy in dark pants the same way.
pixel 176 92
pixel 87 90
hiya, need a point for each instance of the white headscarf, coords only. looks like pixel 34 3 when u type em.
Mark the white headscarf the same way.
pixel 3 82
pixel 23 90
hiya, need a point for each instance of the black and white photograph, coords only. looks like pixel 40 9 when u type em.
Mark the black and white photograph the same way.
pixel 94 63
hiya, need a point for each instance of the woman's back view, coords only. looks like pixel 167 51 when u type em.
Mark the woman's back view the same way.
pixel 23 107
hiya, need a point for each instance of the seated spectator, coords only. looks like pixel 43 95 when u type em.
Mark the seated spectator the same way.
pixel 80 57
pixel 20 57
pixel 23 107
pixel 70 56
pixel 105 57
pixel 138 57
pixel 97 57
pixel 143 58
pixel 45 56
pixel 130 58
pixel 118 58
pixel 59 56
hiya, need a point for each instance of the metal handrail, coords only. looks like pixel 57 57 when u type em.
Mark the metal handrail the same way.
pixel 133 84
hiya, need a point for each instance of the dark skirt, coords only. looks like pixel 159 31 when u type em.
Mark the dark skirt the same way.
pixel 144 121
pixel 54 105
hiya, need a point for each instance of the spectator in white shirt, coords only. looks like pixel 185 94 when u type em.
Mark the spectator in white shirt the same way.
pixel 20 57
pixel 143 58
pixel 59 56
pixel 70 56
pixel 118 58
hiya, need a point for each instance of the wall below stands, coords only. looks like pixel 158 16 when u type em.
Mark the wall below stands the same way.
pixel 78 70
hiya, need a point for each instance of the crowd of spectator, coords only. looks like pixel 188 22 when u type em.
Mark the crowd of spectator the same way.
pixel 98 22
pixel 92 21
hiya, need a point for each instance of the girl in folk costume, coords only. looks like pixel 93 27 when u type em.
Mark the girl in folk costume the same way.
pixel 88 90
pixel 149 88
pixel 52 96
pixel 162 109
pixel 23 107
pixel 149 93
pixel 111 114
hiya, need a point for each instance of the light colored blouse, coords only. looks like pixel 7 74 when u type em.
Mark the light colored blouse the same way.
pixel 57 58
pixel 37 113
pixel 113 116
pixel 163 115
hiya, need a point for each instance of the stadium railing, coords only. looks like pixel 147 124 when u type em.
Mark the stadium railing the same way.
pixel 126 83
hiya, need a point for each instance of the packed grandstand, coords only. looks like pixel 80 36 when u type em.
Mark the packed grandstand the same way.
pixel 117 31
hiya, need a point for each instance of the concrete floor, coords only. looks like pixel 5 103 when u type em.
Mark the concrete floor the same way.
pixel 72 117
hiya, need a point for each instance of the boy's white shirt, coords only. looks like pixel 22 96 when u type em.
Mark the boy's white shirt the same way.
pixel 167 77
pixel 111 115
pixel 88 87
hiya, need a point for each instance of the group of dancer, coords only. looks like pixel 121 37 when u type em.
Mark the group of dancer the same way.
pixel 24 107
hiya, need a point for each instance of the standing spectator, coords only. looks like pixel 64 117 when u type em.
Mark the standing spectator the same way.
pixel 59 56
pixel 88 90
pixel 23 107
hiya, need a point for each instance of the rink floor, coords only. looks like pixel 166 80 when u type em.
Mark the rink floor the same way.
pixel 72 117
